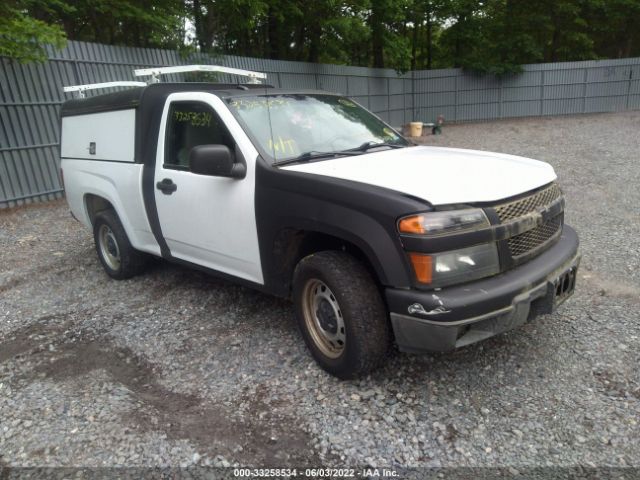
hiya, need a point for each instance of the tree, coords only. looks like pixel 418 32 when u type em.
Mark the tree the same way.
pixel 498 36
pixel 387 22
pixel 494 37
pixel 465 37
pixel 346 37
pixel 487 36
pixel 424 21
pixel 614 26
pixel 23 37
pixel 139 23
pixel 565 31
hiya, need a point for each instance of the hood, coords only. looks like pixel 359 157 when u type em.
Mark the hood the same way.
pixel 439 175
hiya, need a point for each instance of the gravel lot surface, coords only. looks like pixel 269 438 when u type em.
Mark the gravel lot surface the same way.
pixel 176 368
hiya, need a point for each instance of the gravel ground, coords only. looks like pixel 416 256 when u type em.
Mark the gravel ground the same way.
pixel 175 368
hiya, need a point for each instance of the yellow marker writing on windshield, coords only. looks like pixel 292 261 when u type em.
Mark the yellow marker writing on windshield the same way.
pixel 281 145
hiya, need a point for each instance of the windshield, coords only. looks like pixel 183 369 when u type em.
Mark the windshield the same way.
pixel 302 126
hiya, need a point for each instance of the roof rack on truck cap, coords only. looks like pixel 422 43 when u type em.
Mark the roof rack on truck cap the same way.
pixel 155 72
pixel 80 89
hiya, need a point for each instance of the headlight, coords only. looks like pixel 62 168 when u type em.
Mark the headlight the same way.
pixel 456 266
pixel 442 223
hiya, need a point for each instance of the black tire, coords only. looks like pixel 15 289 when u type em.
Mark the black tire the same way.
pixel 131 261
pixel 359 305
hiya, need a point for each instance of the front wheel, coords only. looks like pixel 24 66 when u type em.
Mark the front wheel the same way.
pixel 119 259
pixel 341 314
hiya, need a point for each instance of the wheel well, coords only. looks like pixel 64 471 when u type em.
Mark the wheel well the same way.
pixel 292 245
pixel 95 205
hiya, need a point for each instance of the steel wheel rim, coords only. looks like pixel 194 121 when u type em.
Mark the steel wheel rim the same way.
pixel 109 247
pixel 323 318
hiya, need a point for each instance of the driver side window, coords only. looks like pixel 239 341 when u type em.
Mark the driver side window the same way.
pixel 190 124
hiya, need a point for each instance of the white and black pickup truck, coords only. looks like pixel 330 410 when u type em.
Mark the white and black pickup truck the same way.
pixel 309 196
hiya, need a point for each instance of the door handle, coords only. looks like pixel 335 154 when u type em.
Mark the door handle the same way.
pixel 167 186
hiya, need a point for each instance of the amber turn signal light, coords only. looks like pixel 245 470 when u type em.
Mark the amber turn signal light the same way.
pixel 422 266
pixel 412 224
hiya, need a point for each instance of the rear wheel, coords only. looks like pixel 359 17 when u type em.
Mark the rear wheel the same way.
pixel 119 259
pixel 341 314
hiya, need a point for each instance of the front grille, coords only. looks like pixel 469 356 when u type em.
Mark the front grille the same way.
pixel 535 238
pixel 523 206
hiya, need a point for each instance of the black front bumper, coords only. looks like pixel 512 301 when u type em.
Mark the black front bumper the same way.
pixel 452 317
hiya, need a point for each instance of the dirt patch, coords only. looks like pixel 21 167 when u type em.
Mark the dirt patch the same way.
pixel 18 280
pixel 12 282
pixel 610 287
pixel 612 386
pixel 33 338
pixel 216 429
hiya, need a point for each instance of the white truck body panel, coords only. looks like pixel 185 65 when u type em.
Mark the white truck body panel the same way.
pixel 439 175
pixel 118 183
pixel 110 173
pixel 112 132
pixel 208 221
pixel 211 221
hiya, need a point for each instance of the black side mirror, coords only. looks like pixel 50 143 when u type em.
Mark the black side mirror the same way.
pixel 215 160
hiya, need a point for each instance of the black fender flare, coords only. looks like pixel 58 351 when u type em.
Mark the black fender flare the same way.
pixel 361 214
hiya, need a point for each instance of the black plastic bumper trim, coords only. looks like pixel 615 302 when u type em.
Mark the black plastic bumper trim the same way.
pixel 488 295
pixel 416 335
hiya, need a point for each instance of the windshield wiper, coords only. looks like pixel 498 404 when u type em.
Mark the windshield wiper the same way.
pixel 307 156
pixel 371 144
pixel 313 155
